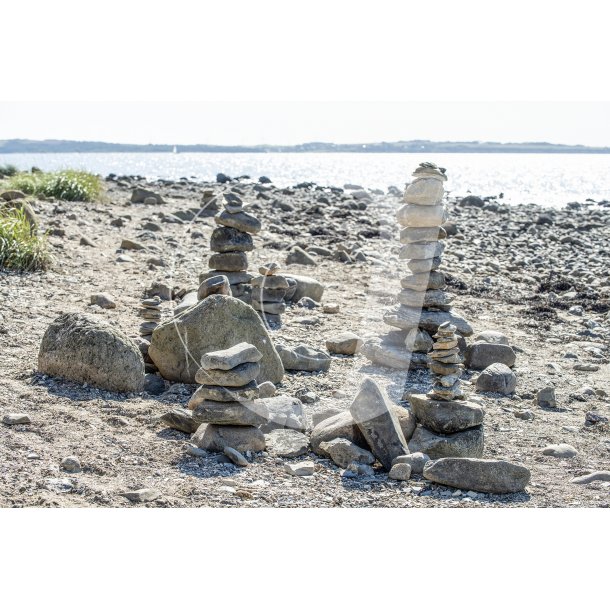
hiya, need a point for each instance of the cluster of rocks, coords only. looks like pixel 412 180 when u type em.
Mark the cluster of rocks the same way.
pixel 226 402
pixel 423 303
pixel 445 363
pixel 269 291
pixel 230 242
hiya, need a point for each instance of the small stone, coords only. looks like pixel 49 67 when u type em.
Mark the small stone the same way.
pixel 343 452
pixel 269 269
pixel 286 443
pixel 598 475
pixel 300 469
pixel 228 239
pixel 195 451
pixel 358 469
pixel 14 419
pixel 250 391
pixel 331 308
pixel 545 398
pixel 70 464
pixel 180 419
pixel 238 376
pixel 140 496
pixel 103 300
pixel 400 472
pixel 130 244
pixel 416 461
pixel 524 414
pixel 346 343
pixel 593 418
pixel 217 284
pixel 266 389
pixel 303 358
pixel 298 256
pixel 242 438
pixel 235 456
pixel 497 378
pixel 562 450
pixel 238 219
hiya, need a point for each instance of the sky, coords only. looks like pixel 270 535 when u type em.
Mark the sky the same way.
pixel 286 123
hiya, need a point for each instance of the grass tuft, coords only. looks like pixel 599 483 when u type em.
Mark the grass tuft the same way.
pixel 21 249
pixel 67 185
pixel 7 170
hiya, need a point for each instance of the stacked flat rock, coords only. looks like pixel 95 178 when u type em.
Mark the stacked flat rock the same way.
pixel 150 311
pixel 445 363
pixel 230 242
pixel 227 396
pixel 269 290
pixel 423 302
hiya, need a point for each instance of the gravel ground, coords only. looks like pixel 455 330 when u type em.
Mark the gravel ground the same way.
pixel 538 275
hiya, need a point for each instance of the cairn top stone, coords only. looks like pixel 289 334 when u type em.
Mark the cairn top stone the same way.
pixel 230 358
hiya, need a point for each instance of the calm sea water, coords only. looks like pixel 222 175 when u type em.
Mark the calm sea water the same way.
pixel 523 178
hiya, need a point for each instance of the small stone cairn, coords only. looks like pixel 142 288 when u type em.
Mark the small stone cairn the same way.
pixel 151 312
pixel 269 290
pixel 226 400
pixel 445 363
pixel 423 303
pixel 230 241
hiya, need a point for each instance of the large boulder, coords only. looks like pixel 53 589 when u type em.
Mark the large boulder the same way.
pixel 468 443
pixel 306 287
pixel 481 354
pixel 445 416
pixel 82 348
pixel 486 476
pixel 218 322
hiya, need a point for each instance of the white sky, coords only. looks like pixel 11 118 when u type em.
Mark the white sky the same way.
pixel 295 122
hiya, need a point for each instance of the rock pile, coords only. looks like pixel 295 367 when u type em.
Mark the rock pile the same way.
pixel 423 303
pixel 151 312
pixel 445 363
pixel 269 290
pixel 225 403
pixel 230 242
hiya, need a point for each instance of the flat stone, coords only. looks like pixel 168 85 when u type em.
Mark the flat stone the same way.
pixel 562 450
pixel 298 256
pixel 424 265
pixel 343 452
pixel 416 461
pixel 468 443
pixel 141 195
pixel 247 413
pixel 378 423
pixel 211 437
pixel 104 300
pixel 228 239
pixel 141 496
pixel 238 376
pixel 441 368
pixel 491 336
pixel 242 221
pixel 233 277
pixel 181 419
pixel 445 417
pixel 421 250
pixel 217 284
pixel 287 443
pixel 393 356
pixel 410 215
pixel 227 359
pixel 431 298
pixel 15 419
pixel 598 475
pixel 305 287
pixel 303 358
pixel 300 469
pixel 250 391
pixel 266 389
pixel 346 343
pixel 270 282
pixel 407 318
pixel 269 269
pixel 424 191
pixel 480 355
pixel 268 295
pixel 236 457
pixel 435 280
pixel 400 472
pixel 272 307
pixel 410 235
pixel 484 476
pixel 228 261
pixel 497 378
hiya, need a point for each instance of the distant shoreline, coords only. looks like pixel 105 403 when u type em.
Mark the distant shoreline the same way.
pixel 414 147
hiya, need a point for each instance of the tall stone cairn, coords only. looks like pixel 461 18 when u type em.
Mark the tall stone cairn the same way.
pixel 230 242
pixel 423 303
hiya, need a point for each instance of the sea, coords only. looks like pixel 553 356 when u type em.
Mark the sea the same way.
pixel 546 179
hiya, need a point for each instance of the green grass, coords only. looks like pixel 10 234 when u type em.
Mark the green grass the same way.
pixel 21 249
pixel 67 185
pixel 7 170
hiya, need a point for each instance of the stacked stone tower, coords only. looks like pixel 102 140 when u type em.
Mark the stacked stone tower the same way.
pixel 230 242
pixel 269 290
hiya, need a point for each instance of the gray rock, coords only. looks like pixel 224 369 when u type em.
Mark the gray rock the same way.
pixel 562 450
pixel 216 323
pixel 341 425
pixel 357 469
pixel 228 261
pixel 598 475
pixel 400 472
pixel 250 391
pixel 468 443
pixel 181 419
pixel 103 300
pixel 286 443
pixel 139 195
pixel 16 419
pixel 298 256
pixel 227 239
pixel 303 358
pixel 238 376
pixel 347 343
pixel 217 284
pixel 233 277
pixel 445 417
pixel 211 437
pixel 343 452
pixel 70 464
pixel 491 336
pixel 407 318
pixel 497 378
pixel 545 398
pixel 266 389
pixel 230 358
pixel 300 469
pixel 242 221
pixel 251 413
pixel 236 457
pixel 485 476
pixel 387 354
pixel 130 244
pixel 188 300
pixel 416 461
pixel 480 355
pixel 141 496
pixel 284 412
pixel 87 350
pixel 305 287
pixel 378 423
